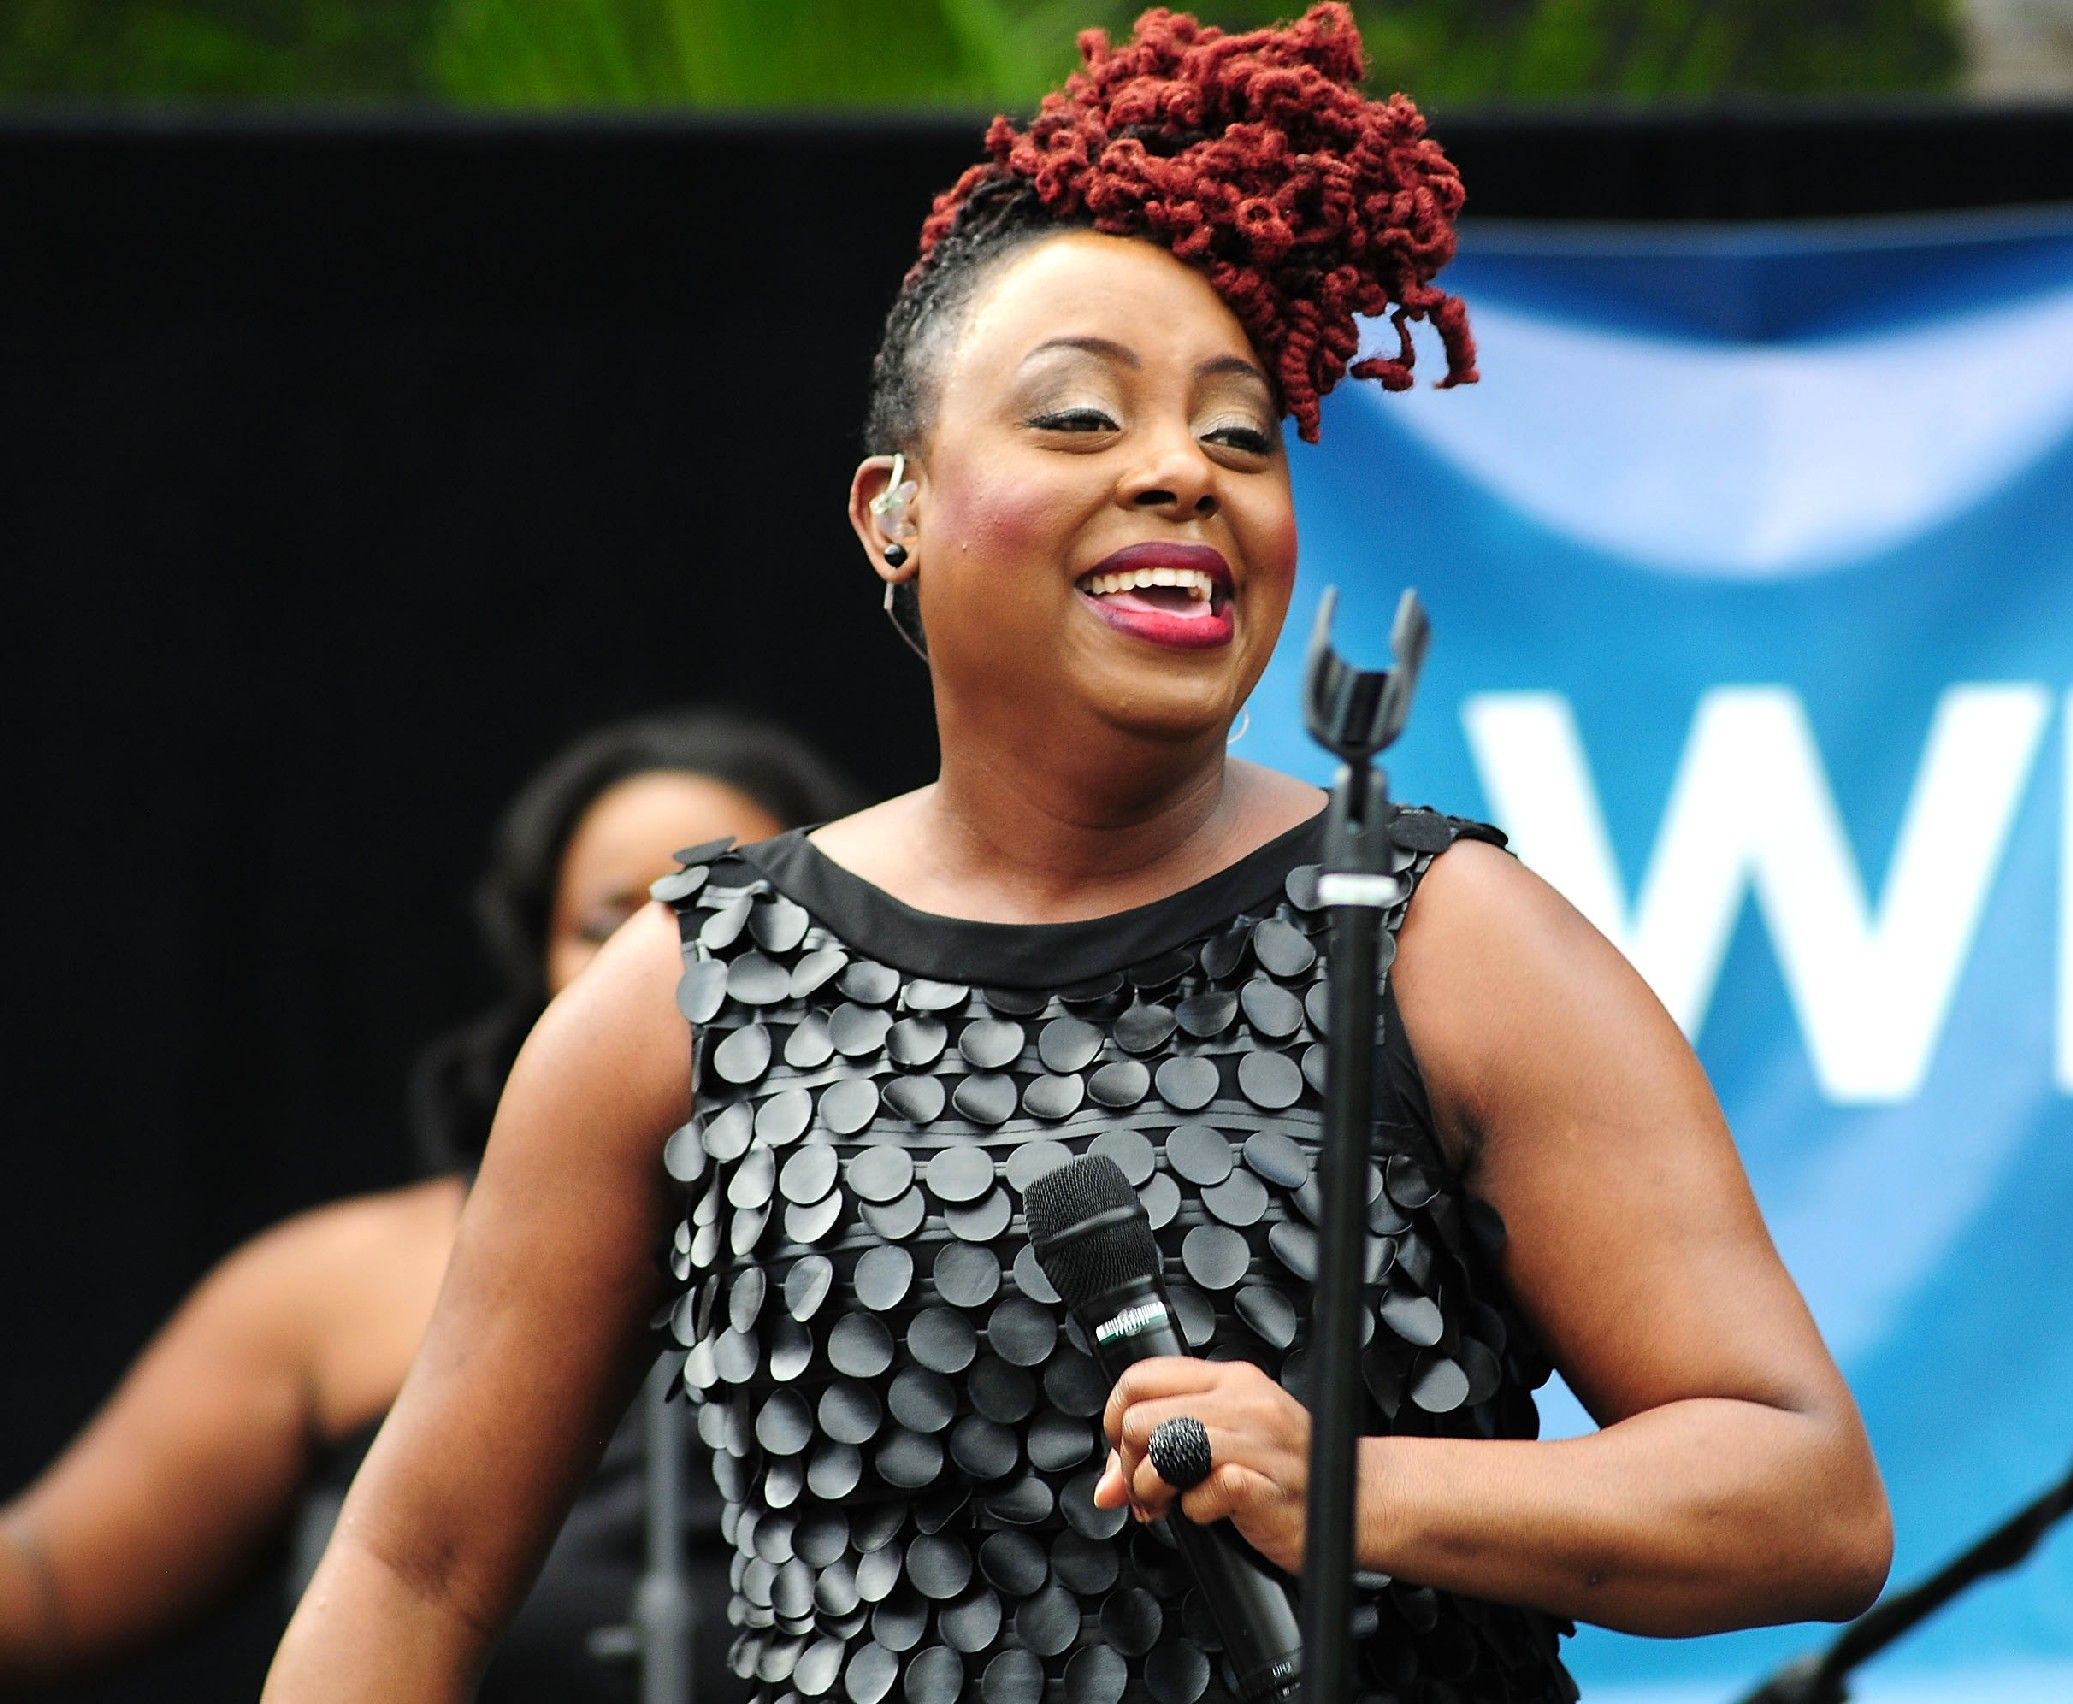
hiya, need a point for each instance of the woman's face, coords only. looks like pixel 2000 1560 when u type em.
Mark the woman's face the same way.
pixel 622 843
pixel 1103 514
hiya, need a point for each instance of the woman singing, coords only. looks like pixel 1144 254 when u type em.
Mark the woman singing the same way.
pixel 1097 930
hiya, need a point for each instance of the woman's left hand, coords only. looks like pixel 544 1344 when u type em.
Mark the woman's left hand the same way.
pixel 1259 1451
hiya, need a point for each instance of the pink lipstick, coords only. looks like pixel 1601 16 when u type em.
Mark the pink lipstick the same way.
pixel 1176 595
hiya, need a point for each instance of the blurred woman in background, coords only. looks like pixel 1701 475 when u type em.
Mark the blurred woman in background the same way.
pixel 244 1420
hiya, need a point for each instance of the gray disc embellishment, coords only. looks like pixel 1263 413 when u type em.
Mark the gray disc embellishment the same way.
pixel 1179 1452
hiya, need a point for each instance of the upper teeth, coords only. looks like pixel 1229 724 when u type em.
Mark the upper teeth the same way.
pixel 1191 580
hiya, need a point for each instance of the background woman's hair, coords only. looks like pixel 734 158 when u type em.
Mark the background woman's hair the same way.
pixel 456 1081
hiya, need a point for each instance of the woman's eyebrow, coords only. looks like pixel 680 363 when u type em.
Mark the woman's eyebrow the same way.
pixel 1219 364
pixel 1105 347
pixel 1123 355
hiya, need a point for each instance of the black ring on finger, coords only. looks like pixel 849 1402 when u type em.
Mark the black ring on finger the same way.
pixel 1178 1450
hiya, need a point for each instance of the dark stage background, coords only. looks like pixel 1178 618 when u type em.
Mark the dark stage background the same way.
pixel 352 465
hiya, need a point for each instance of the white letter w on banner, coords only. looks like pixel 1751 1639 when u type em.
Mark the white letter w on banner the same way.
pixel 1751 808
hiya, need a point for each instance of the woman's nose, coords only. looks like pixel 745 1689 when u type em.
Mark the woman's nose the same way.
pixel 1176 480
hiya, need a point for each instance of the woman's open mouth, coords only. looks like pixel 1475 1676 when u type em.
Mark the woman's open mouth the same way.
pixel 1178 595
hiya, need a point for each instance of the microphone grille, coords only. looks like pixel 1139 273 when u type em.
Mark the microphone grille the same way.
pixel 1073 1193
pixel 1084 1265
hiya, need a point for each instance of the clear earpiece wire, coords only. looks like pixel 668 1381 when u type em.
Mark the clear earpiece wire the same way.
pixel 900 627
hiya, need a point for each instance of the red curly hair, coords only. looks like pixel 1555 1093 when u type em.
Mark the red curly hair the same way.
pixel 1256 159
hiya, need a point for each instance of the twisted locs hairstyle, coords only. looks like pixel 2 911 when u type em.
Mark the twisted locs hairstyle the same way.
pixel 457 1079
pixel 1254 158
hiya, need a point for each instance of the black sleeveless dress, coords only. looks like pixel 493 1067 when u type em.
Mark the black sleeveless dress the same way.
pixel 905 1423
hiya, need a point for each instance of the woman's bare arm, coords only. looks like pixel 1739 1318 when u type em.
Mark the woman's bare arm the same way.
pixel 1732 1483
pixel 189 1469
pixel 539 1340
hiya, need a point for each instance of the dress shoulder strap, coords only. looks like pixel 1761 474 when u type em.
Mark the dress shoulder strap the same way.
pixel 1419 829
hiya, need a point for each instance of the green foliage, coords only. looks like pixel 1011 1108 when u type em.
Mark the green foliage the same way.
pixel 1542 50
pixel 996 53
pixel 215 50
pixel 961 54
pixel 753 53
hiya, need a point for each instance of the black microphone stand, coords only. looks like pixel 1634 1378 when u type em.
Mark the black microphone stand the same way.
pixel 657 1632
pixel 1354 714
pixel 1823 1678
pixel 662 1603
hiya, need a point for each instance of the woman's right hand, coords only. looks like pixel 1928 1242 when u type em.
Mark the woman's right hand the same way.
pixel 538 1343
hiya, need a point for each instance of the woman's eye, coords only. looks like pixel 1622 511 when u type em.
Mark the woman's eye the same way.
pixel 1247 438
pixel 1075 420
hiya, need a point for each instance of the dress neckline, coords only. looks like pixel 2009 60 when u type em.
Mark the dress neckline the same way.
pixel 866 918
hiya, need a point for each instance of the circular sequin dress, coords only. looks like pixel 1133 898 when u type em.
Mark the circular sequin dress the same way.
pixel 905 1423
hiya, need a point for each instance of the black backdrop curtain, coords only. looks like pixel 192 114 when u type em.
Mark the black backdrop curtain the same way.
pixel 351 465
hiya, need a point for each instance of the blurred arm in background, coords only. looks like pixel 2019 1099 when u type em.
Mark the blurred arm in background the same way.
pixel 188 1474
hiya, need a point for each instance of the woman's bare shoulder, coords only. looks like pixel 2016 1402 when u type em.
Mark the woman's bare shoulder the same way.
pixel 1475 896
pixel 315 1260
pixel 1499 978
pixel 357 1228
pixel 618 1022
pixel 607 1070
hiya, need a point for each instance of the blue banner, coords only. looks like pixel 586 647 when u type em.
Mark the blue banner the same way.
pixel 1750 564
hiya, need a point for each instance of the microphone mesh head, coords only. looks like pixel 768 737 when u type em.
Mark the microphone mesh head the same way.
pixel 1083 1266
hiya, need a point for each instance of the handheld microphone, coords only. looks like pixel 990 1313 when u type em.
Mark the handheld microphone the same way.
pixel 1095 1245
